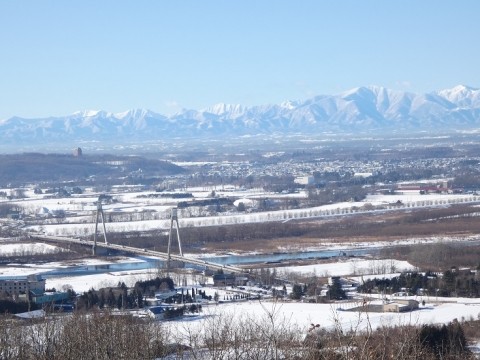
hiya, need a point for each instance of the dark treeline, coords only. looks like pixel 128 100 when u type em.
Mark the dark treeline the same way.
pixel 241 232
pixel 149 287
pixel 217 202
pixel 15 307
pixel 463 283
pixel 53 168
pixel 440 256
pixel 455 219
pixel 119 297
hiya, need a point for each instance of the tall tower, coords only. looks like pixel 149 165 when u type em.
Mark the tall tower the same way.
pixel 173 217
pixel 77 152
pixel 99 213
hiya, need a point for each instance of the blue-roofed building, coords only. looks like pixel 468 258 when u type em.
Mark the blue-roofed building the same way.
pixel 157 312
pixel 50 297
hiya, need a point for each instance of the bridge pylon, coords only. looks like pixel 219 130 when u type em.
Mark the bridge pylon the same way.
pixel 173 218
pixel 99 213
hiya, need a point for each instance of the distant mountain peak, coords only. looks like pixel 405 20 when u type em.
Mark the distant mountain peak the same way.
pixel 133 113
pixel 222 108
pixel 289 105
pixel 364 109
pixel 462 96
pixel 88 113
pixel 459 89
pixel 463 88
pixel 361 91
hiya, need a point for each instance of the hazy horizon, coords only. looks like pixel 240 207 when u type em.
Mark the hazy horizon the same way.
pixel 59 58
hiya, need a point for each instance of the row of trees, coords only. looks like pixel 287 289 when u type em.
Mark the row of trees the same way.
pixel 110 298
pixel 440 256
pixel 99 335
pixel 335 290
pixel 120 297
pixel 451 283
pixel 7 305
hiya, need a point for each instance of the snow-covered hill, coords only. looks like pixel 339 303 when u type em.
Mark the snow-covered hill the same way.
pixel 365 109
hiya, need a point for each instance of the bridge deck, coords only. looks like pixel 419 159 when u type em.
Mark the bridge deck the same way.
pixel 139 251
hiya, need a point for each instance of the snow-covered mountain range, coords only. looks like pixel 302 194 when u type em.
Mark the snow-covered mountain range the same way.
pixel 360 110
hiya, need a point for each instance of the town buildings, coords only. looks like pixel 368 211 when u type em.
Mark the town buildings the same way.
pixel 22 285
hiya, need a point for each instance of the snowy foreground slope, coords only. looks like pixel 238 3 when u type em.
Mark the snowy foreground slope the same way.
pixel 331 316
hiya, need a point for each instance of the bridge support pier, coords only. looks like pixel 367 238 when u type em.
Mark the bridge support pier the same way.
pixel 173 218
pixel 95 236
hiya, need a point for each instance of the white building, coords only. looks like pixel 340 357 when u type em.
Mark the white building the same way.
pixel 304 180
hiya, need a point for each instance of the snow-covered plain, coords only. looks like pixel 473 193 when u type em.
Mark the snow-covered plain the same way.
pixel 28 249
pixel 331 316
pixel 436 310
pixel 300 314
pixel 84 283
pixel 80 222
pixel 82 210
pixel 350 267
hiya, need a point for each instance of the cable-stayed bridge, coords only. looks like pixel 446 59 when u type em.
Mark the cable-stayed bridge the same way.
pixel 139 251
pixel 168 256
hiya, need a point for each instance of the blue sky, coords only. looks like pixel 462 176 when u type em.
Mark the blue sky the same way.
pixel 58 57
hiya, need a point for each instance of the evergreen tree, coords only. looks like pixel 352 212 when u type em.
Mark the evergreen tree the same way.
pixel 444 340
pixel 101 298
pixel 336 292
pixel 119 301
pixel 297 292
pixel 111 298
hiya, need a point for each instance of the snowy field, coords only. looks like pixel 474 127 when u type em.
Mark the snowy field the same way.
pixel 300 314
pixel 350 267
pixel 84 283
pixel 28 249
pixel 331 316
